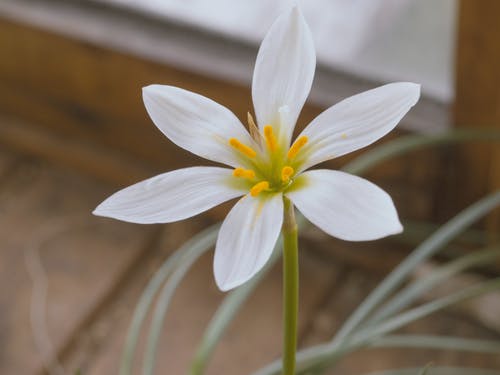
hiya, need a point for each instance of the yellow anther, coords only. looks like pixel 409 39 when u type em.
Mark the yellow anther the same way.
pixel 286 173
pixel 270 138
pixel 258 187
pixel 343 135
pixel 297 145
pixel 244 149
pixel 245 173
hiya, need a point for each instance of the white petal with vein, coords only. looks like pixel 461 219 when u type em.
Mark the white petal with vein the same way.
pixel 358 121
pixel 346 206
pixel 195 123
pixel 170 196
pixel 246 239
pixel 284 71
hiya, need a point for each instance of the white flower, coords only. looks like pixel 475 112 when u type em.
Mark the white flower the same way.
pixel 266 164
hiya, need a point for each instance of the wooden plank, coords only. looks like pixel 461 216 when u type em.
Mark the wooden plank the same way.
pixel 79 104
pixel 91 158
pixel 477 103
pixel 90 95
pixel 50 240
pixel 94 93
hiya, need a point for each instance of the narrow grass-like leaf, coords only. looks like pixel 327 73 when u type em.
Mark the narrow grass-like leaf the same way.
pixel 425 370
pixel 322 356
pixel 150 291
pixel 419 312
pixel 226 313
pixel 410 293
pixel 403 145
pixel 438 371
pixel 141 311
pixel 427 249
pixel 438 342
pixel 416 231
pixel 196 248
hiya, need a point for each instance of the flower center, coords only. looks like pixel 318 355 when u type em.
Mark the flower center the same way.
pixel 269 167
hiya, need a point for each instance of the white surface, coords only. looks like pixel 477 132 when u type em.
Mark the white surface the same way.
pixel 385 40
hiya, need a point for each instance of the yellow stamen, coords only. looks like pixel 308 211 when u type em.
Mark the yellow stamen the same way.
pixel 244 149
pixel 245 173
pixel 258 187
pixel 297 145
pixel 270 138
pixel 286 173
pixel 343 136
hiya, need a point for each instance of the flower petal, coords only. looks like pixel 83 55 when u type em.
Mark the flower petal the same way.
pixel 246 239
pixel 171 196
pixel 284 72
pixel 357 121
pixel 195 123
pixel 346 206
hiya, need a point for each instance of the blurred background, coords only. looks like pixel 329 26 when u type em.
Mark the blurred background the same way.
pixel 73 129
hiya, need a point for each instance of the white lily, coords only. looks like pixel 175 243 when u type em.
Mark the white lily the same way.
pixel 266 165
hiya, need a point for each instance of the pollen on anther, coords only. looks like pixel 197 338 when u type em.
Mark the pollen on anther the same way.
pixel 244 149
pixel 297 146
pixel 286 173
pixel 270 137
pixel 258 188
pixel 245 173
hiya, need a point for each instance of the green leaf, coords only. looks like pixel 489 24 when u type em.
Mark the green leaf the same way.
pixel 204 240
pixel 370 335
pixel 398 321
pixel 438 371
pixel 403 145
pixel 416 231
pixel 427 249
pixel 322 356
pixel 226 313
pixel 438 342
pixel 425 370
pixel 410 293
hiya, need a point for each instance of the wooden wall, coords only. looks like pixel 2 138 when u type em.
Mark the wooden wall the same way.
pixel 80 104
pixel 477 104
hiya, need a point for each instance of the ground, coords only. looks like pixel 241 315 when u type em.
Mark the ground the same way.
pixel 69 282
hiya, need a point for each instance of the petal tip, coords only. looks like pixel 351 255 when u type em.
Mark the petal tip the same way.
pixel 148 88
pixel 148 93
pixel 225 283
pixel 398 228
pixel 393 227
pixel 414 90
pixel 100 210
pixel 224 287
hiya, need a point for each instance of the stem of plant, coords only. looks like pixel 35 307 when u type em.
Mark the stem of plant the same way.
pixel 290 287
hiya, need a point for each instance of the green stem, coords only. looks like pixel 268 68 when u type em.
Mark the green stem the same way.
pixel 290 287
